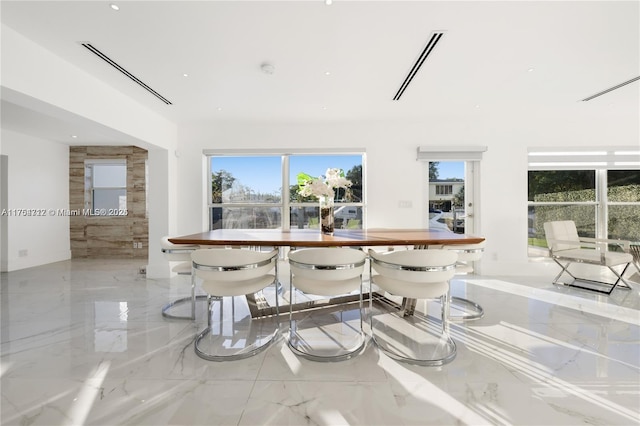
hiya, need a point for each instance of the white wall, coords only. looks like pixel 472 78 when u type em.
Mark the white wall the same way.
pixel 59 89
pixel 162 221
pixel 38 178
pixel 3 205
pixel 394 175
pixel 34 78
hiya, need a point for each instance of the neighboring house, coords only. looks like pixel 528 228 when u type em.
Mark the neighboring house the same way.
pixel 442 193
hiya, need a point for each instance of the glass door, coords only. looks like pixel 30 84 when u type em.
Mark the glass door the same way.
pixel 451 195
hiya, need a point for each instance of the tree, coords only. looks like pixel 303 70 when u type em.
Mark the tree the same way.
pixel 355 191
pixel 433 170
pixel 559 181
pixel 458 198
pixel 352 194
pixel 220 182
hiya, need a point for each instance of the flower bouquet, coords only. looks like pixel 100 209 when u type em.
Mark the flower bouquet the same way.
pixel 323 188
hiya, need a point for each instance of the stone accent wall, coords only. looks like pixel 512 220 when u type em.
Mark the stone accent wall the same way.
pixel 112 237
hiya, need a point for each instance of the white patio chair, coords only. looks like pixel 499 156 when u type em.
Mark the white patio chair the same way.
pixel 566 248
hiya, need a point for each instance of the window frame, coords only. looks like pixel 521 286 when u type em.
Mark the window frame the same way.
pixel 444 189
pixel 90 187
pixel 285 204
pixel 600 203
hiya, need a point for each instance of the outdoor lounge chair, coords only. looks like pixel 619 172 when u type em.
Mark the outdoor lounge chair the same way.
pixel 566 247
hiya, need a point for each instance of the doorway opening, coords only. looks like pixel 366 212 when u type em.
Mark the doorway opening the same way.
pixel 451 195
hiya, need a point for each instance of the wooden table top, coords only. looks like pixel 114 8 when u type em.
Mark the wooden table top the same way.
pixel 313 237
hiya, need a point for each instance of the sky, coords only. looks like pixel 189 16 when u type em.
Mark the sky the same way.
pixel 262 174
pixel 451 169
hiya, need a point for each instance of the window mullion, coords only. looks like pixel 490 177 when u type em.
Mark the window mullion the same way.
pixel 601 198
pixel 286 196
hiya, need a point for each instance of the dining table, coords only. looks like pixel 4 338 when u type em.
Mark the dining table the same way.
pixel 314 238
pixel 301 238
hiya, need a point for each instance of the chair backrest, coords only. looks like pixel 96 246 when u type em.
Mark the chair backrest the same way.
pixel 467 252
pixel 176 252
pixel 327 264
pixel 422 266
pixel 232 264
pixel 564 230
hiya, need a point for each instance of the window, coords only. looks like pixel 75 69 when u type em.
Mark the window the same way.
pixel 253 191
pixel 444 189
pixel 560 195
pixel 623 204
pixel 106 186
pixel 601 197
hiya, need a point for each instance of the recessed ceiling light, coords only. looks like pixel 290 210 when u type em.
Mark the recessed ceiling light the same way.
pixel 328 2
pixel 327 73
pixel 531 70
pixel 74 136
pixel 185 75
pixel 477 106
pixel 114 6
pixel 267 68
pixel 219 108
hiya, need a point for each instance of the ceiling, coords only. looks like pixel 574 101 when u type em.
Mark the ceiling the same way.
pixel 341 62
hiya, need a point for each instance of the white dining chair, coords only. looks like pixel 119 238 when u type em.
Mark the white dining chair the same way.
pixel 227 276
pixel 179 256
pixel 412 336
pixel 465 309
pixel 328 334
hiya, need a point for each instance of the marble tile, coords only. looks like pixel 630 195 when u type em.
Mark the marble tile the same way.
pixel 319 403
pixel 84 342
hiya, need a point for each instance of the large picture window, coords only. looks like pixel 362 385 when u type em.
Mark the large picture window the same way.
pixel 254 191
pixel 602 198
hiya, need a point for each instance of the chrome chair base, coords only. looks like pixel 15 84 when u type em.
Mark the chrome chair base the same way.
pixel 308 337
pixel 418 346
pixel 469 309
pixel 413 339
pixel 330 358
pixel 258 346
pixel 166 308
pixel 597 286
pixel 226 339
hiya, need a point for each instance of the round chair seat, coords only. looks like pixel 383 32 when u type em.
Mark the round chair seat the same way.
pixel 327 287
pixel 182 268
pixel 237 288
pixel 411 289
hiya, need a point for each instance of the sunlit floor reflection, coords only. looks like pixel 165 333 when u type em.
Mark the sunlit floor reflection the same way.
pixel 84 342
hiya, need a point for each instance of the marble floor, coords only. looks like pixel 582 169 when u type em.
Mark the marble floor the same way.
pixel 84 343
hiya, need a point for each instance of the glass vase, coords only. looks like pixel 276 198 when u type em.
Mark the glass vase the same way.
pixel 326 215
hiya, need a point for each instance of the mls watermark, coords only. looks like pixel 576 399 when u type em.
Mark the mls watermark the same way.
pixel 63 212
